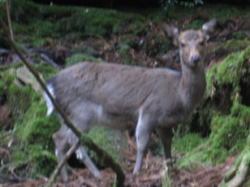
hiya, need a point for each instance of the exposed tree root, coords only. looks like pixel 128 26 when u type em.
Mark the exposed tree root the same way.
pixel 239 172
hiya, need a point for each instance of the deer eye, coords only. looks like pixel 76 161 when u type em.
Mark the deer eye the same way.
pixel 202 43
pixel 183 45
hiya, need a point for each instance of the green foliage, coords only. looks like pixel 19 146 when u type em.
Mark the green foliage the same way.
pixel 186 143
pixel 111 141
pixel 2 2
pixel 229 130
pixel 158 45
pixel 29 19
pixel 228 136
pixel 166 179
pixel 196 24
pixel 33 147
pixel 76 58
pixel 137 27
pixel 239 35
pixel 241 165
pixel 228 72
pixel 46 70
pixel 124 52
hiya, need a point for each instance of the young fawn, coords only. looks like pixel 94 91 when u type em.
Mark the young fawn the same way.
pixel 121 96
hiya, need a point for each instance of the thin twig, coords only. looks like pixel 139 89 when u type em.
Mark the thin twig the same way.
pixel 7 8
pixel 61 163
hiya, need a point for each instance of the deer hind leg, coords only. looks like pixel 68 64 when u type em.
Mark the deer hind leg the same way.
pixel 60 150
pixel 166 135
pixel 143 131
pixel 65 138
pixel 83 156
pixel 83 123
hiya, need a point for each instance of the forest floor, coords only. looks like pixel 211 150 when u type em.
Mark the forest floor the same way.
pixel 153 172
pixel 144 50
pixel 148 177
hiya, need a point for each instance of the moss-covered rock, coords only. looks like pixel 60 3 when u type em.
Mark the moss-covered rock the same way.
pixel 229 72
pixel 227 110
pixel 111 141
pixel 32 148
pixel 238 175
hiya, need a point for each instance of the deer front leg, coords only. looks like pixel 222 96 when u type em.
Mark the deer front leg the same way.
pixel 166 135
pixel 143 131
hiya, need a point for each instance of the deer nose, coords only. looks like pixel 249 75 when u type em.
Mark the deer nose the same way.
pixel 195 59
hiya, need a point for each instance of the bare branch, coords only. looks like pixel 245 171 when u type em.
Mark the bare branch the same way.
pixel 60 165
pixel 7 9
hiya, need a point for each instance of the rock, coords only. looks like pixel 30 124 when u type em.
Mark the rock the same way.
pixel 26 77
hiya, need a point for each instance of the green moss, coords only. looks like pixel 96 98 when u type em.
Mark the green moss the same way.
pixel 230 129
pixel 196 24
pixel 46 70
pixel 228 134
pixel 33 148
pixel 228 72
pixel 160 45
pixel 186 143
pixel 241 111
pixel 219 11
pixel 233 45
pixel 166 179
pixel 239 35
pixel 138 27
pixel 243 160
pixel 109 140
pixel 124 52
pixel 29 19
pixel 224 11
pixel 197 155
pixel 76 58
pixel 4 68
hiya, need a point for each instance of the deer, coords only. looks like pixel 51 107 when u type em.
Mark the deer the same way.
pixel 124 97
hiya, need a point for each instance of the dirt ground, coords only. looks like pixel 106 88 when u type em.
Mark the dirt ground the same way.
pixel 151 175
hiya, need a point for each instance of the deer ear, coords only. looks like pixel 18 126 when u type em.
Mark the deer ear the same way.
pixel 206 35
pixel 172 32
pixel 209 28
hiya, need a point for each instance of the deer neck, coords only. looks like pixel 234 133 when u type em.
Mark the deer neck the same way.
pixel 192 85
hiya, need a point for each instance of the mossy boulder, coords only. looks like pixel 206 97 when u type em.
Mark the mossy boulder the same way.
pixel 225 111
pixel 31 144
pixel 238 175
